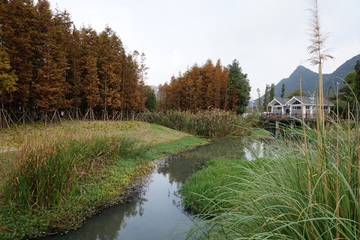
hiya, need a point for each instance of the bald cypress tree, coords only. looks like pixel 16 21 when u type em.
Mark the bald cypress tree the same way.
pixel 110 52
pixel 198 85
pixel 207 73
pixel 218 84
pixel 18 36
pixel 90 71
pixel 75 91
pixel 64 38
pixel 52 63
pixel 8 81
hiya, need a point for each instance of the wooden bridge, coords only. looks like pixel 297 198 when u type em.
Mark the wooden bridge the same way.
pixel 293 119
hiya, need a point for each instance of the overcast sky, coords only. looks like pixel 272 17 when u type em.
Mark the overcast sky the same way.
pixel 268 37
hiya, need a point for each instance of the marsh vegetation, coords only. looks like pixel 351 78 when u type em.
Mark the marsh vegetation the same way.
pixel 65 173
pixel 214 123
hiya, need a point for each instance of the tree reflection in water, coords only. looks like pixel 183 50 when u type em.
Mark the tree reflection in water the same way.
pixel 108 224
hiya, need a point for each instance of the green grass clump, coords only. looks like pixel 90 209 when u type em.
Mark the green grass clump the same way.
pixel 204 190
pixel 173 147
pixel 305 188
pixel 214 123
pixel 44 175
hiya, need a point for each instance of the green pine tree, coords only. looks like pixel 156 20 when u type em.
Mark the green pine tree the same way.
pixel 282 91
pixel 151 101
pixel 241 83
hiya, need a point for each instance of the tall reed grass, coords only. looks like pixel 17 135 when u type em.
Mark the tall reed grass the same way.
pixel 214 123
pixel 42 176
pixel 306 188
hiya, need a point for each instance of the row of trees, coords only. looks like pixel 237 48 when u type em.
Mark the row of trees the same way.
pixel 207 87
pixel 47 64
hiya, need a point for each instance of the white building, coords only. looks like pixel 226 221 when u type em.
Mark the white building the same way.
pixel 298 105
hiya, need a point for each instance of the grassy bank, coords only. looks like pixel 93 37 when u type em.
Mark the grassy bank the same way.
pixel 66 173
pixel 306 188
pixel 13 139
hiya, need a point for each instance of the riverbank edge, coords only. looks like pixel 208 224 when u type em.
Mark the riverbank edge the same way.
pixel 70 216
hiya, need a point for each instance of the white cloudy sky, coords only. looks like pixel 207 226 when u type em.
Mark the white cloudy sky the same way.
pixel 268 37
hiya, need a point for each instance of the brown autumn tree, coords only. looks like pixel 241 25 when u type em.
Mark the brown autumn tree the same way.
pixel 75 91
pixel 50 83
pixel 219 84
pixel 65 31
pixel 163 95
pixel 90 76
pixel 18 20
pixel 8 81
pixel 198 85
pixel 207 72
pixel 130 84
pixel 110 52
pixel 187 91
pixel 8 77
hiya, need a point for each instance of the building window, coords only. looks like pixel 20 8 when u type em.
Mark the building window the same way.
pixel 296 107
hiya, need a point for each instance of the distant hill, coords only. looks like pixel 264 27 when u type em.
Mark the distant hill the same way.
pixel 309 77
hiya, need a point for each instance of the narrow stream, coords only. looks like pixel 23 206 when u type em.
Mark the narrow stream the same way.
pixel 150 213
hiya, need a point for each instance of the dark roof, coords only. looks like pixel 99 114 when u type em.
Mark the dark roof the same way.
pixel 282 101
pixel 312 101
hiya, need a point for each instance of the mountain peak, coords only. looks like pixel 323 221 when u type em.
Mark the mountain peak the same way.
pixel 300 67
pixel 303 71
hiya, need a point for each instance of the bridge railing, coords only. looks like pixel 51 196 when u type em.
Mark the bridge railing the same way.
pixel 307 116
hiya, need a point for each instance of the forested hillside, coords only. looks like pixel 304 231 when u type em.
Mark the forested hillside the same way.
pixel 48 64
pixel 308 78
